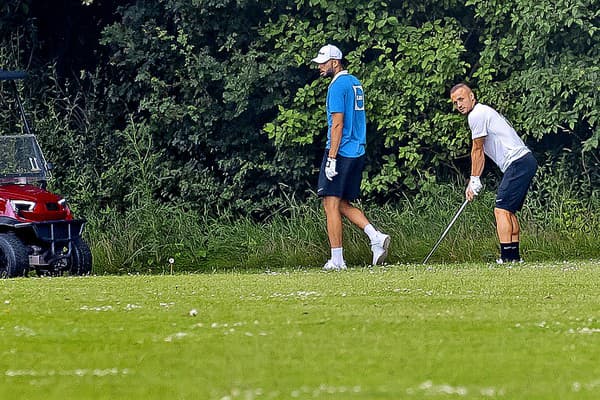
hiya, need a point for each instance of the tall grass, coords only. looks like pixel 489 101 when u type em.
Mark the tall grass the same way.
pixel 556 225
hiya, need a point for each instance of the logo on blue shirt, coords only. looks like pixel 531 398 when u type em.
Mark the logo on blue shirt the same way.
pixel 359 98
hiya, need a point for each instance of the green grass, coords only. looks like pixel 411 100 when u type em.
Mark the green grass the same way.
pixel 474 331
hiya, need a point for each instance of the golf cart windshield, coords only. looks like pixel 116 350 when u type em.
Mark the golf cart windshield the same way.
pixel 21 160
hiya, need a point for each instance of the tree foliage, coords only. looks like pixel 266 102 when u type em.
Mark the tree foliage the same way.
pixel 405 57
pixel 190 71
pixel 539 63
pixel 535 62
pixel 214 104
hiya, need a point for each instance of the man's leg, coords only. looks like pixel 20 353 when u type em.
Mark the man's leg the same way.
pixel 504 226
pixel 507 227
pixel 354 215
pixel 331 204
pixel 511 195
pixel 515 228
pixel 379 241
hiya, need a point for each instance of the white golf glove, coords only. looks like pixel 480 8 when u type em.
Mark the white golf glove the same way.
pixel 475 185
pixel 330 171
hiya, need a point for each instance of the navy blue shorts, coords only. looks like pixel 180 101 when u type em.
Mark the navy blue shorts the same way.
pixel 346 184
pixel 515 183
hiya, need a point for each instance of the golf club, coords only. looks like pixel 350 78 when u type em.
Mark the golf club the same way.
pixel 460 210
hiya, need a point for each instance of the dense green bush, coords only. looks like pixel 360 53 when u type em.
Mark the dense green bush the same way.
pixel 232 111
pixel 193 75
pixel 535 62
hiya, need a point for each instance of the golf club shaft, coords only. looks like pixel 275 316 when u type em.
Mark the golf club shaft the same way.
pixel 460 210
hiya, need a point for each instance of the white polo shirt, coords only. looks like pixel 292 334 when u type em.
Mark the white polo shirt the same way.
pixel 502 144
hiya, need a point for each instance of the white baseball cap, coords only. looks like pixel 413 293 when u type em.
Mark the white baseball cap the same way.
pixel 327 53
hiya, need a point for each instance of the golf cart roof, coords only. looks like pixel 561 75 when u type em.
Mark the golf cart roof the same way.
pixel 12 75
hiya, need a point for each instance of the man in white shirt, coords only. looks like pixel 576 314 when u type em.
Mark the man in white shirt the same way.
pixel 492 135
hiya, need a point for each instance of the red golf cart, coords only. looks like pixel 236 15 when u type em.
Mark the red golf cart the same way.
pixel 37 229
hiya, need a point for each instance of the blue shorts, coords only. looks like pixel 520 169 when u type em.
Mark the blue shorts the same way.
pixel 346 184
pixel 515 183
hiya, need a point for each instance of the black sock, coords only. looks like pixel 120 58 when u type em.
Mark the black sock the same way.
pixel 506 251
pixel 516 254
pixel 510 251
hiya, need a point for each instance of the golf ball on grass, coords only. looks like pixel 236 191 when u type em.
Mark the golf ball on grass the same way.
pixel 193 312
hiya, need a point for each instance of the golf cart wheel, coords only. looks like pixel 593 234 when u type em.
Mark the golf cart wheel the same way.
pixel 14 257
pixel 81 258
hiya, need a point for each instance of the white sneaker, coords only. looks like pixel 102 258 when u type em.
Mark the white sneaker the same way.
pixel 330 266
pixel 503 261
pixel 380 249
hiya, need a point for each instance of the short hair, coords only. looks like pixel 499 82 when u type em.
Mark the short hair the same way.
pixel 343 61
pixel 459 86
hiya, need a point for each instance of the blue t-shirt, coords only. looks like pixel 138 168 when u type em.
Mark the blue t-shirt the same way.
pixel 345 95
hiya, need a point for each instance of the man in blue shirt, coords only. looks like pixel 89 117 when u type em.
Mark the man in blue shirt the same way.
pixel 344 158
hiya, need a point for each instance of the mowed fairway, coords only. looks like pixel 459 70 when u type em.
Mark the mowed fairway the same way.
pixel 399 332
